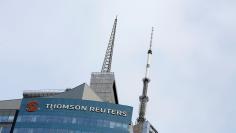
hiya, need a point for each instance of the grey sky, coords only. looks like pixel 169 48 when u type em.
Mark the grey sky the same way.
pixel 56 44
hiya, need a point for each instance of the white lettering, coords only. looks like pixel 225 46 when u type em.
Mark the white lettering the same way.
pixel 103 110
pixel 72 107
pixel 84 108
pixel 47 106
pixel 113 112
pixel 124 113
pixel 97 109
pixel 108 111
pixel 65 106
pixel 77 107
pixel 87 108
pixel 119 112
pixel 59 106
pixel 92 109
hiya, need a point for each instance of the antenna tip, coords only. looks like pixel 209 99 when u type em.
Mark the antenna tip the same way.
pixel 151 39
pixel 116 16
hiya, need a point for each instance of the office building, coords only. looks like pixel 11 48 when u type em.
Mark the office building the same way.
pixel 67 113
pixel 86 108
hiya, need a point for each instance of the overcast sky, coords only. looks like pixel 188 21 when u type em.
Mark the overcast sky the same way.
pixel 56 44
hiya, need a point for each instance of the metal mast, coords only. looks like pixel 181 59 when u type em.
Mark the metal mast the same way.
pixel 106 67
pixel 144 98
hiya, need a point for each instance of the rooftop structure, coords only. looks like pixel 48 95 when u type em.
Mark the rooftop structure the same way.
pixel 40 93
pixel 106 67
pixel 103 83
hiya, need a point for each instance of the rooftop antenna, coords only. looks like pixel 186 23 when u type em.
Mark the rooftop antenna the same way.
pixel 144 98
pixel 106 67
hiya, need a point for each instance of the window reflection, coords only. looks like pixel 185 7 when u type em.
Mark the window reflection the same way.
pixel 6 118
pixel 5 129
pixel 48 130
pixel 79 121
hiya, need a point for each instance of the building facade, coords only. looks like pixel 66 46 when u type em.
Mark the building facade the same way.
pixel 76 110
pixel 8 113
pixel 59 115
pixel 6 120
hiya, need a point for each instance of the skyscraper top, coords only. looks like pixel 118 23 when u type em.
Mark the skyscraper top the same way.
pixel 106 67
pixel 103 83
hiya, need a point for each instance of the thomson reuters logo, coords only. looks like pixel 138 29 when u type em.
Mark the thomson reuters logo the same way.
pixel 32 106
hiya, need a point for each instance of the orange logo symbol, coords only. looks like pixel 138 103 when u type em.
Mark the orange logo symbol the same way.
pixel 32 106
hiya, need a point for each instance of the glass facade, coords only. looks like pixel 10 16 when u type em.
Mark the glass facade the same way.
pixel 5 129
pixel 72 116
pixel 6 120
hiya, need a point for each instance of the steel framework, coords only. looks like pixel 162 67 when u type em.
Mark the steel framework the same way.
pixel 106 67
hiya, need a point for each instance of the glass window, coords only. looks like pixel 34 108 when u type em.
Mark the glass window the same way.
pixel 118 125
pixel 60 120
pixel 3 118
pixel 6 118
pixel 112 124
pixel 6 130
pixel 10 118
pixel 125 126
pixel 73 120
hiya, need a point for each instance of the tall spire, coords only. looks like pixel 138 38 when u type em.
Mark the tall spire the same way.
pixel 106 67
pixel 144 98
